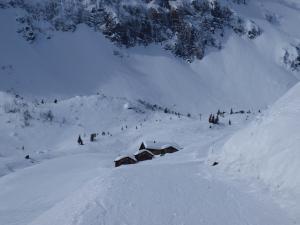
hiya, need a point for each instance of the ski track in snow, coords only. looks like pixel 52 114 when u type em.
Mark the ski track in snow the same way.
pixel 152 193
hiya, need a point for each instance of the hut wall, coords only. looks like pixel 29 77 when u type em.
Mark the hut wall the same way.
pixel 124 161
pixel 144 156
pixel 170 150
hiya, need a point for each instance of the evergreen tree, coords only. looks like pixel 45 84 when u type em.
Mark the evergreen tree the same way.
pixel 216 120
pixel 93 137
pixel 79 141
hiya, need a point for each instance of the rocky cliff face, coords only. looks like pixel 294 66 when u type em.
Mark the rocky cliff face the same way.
pixel 187 29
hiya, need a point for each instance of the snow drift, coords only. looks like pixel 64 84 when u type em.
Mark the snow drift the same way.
pixel 268 149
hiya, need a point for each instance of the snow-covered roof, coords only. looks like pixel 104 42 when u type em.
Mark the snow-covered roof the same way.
pixel 160 145
pixel 143 150
pixel 125 156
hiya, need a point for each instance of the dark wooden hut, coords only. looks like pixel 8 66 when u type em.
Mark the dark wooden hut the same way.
pixel 125 160
pixel 157 148
pixel 143 155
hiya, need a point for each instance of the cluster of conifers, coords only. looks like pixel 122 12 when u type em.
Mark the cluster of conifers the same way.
pixel 213 119
pixel 92 137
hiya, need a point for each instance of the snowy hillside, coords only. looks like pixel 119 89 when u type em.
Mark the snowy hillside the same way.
pixel 268 149
pixel 63 183
pixel 245 73
pixel 60 124
pixel 125 72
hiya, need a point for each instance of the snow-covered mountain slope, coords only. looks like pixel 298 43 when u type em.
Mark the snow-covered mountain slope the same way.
pixel 47 178
pixel 50 130
pixel 268 149
pixel 65 183
pixel 244 74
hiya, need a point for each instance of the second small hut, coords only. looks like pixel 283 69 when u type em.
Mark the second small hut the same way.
pixel 143 155
pixel 125 160
pixel 159 148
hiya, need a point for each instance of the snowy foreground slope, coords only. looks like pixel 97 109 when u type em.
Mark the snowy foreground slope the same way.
pixel 268 150
pixel 160 193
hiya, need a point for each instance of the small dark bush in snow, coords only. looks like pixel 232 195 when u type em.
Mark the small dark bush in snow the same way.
pixel 11 108
pixel 47 116
pixel 27 117
pixel 79 140
pixel 93 137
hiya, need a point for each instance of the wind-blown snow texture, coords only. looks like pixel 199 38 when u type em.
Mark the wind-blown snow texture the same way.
pixel 268 149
